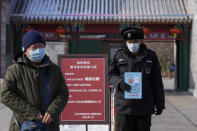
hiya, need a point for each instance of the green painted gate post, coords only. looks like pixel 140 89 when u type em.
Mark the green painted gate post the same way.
pixel 16 40
pixel 183 55
pixel 73 44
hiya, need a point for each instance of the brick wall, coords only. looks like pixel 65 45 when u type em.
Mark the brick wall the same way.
pixel 6 45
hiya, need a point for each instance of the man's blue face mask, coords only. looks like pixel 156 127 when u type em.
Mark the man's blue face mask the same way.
pixel 37 55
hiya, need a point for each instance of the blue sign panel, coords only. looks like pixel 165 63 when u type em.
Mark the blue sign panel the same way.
pixel 134 79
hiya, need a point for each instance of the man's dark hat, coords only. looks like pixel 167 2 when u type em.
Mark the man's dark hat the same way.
pixel 31 38
pixel 132 32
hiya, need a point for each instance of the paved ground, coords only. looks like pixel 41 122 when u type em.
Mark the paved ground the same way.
pixel 5 115
pixel 180 114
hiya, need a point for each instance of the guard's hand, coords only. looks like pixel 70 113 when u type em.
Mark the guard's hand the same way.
pixel 39 117
pixel 158 111
pixel 124 86
pixel 47 118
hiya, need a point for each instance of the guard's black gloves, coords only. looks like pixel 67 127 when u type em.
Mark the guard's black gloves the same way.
pixel 158 111
pixel 124 86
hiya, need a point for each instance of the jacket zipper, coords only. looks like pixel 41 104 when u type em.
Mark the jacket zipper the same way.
pixel 38 85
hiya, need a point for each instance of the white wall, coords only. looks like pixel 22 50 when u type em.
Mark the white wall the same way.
pixel 193 57
pixel 55 48
pixel 191 6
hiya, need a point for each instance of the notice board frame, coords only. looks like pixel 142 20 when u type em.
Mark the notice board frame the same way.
pixel 107 92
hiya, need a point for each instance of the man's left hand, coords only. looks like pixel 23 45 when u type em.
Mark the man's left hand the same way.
pixel 158 111
pixel 47 118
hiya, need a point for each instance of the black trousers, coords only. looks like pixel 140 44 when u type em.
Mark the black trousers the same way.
pixel 133 123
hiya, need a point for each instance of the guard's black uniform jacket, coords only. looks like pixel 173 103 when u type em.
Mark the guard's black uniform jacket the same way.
pixel 146 62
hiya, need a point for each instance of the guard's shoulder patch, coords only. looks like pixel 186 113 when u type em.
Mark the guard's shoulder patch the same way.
pixel 153 51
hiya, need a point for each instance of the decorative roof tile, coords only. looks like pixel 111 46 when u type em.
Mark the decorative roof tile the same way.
pixel 99 11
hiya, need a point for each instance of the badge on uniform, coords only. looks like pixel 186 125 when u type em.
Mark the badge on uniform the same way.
pixel 148 70
pixel 134 79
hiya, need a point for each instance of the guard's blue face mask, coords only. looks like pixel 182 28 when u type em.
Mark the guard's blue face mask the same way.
pixel 134 47
pixel 37 55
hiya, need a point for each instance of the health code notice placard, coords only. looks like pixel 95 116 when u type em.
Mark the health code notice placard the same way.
pixel 85 78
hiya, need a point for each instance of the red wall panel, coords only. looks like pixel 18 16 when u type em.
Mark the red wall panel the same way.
pixel 159 28
pixel 102 28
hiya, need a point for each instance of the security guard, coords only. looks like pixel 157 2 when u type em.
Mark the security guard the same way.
pixel 134 113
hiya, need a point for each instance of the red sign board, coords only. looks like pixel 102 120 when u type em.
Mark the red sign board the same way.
pixel 85 78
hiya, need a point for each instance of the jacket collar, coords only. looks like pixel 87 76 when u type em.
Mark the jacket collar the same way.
pixel 140 55
pixel 21 58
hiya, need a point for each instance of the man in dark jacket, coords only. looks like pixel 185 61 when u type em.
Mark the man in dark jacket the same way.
pixel 34 88
pixel 133 112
